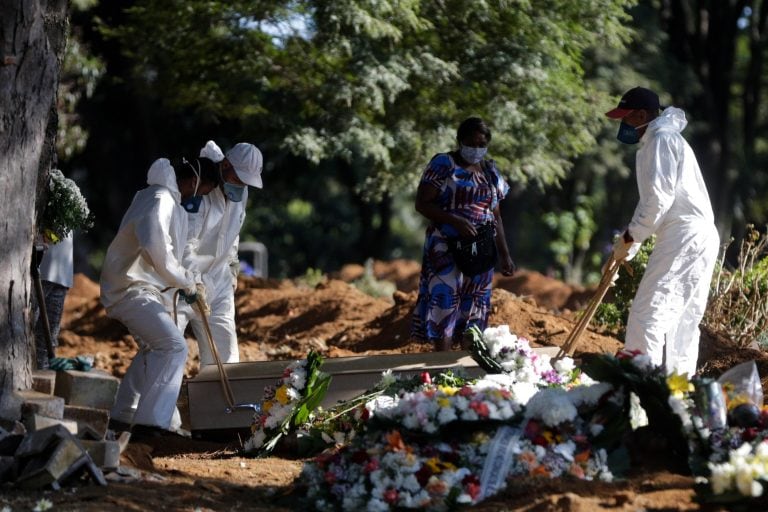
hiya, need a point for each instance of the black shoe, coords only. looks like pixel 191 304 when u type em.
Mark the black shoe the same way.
pixel 149 432
pixel 118 426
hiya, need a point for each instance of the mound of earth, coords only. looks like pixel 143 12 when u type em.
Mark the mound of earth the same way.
pixel 283 319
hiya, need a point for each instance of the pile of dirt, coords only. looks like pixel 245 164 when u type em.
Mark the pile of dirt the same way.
pixel 283 319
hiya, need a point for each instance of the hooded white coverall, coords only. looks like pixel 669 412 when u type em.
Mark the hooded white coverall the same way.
pixel 142 260
pixel 674 204
pixel 212 242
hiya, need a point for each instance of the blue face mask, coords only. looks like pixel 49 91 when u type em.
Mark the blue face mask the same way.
pixel 628 134
pixel 234 192
pixel 192 204
pixel 472 155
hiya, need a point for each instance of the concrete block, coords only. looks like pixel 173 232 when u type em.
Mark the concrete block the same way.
pixel 38 442
pixel 87 389
pixel 44 381
pixel 42 471
pixel 36 422
pixel 96 419
pixel 105 454
pixel 35 402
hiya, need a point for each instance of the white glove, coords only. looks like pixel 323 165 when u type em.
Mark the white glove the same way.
pixel 625 251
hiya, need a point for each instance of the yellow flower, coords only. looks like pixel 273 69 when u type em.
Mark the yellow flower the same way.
pixel 266 406
pixel 448 390
pixel 282 395
pixel 679 385
pixel 443 402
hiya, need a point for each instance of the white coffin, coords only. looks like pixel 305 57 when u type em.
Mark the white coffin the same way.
pixel 350 376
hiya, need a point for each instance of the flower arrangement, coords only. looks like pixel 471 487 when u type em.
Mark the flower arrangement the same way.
pixel 499 351
pixel 289 404
pixel 414 454
pixel 65 209
pixel 433 408
pixel 386 471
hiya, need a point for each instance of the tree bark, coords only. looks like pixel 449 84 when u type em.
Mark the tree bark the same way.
pixel 32 38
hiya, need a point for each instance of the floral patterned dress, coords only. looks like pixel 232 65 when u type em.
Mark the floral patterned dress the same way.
pixel 449 302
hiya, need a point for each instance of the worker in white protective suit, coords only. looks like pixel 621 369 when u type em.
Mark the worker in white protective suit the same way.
pixel 674 204
pixel 212 243
pixel 141 271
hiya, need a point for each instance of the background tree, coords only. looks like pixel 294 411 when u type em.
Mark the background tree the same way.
pixel 348 99
pixel 32 34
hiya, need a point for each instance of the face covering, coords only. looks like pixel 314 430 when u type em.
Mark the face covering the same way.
pixel 472 155
pixel 234 192
pixel 192 204
pixel 628 134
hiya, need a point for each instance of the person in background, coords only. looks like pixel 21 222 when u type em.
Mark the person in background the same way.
pixel 674 204
pixel 56 274
pixel 141 271
pixel 459 193
pixel 212 243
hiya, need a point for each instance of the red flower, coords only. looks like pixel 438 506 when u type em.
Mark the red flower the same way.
pixel 390 496
pixel 481 408
pixel 371 466
pixel 472 486
pixel 465 391
pixel 425 378
pixel 627 354
pixel 329 478
pixel 749 434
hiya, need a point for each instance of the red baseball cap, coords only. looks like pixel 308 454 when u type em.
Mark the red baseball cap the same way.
pixel 638 98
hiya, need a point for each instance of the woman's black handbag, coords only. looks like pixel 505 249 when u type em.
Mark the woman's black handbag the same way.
pixel 476 254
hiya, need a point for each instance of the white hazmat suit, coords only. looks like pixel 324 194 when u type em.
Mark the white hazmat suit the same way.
pixel 212 242
pixel 142 261
pixel 674 204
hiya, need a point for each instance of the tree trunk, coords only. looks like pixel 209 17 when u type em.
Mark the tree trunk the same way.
pixel 32 37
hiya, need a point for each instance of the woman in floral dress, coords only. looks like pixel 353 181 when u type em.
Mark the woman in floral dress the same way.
pixel 459 192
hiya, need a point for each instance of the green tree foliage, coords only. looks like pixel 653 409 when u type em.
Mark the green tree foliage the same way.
pixel 712 63
pixel 350 98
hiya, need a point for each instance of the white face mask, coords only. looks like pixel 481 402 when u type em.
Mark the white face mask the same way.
pixel 472 155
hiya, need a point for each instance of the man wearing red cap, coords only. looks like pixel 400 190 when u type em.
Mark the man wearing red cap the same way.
pixel 675 206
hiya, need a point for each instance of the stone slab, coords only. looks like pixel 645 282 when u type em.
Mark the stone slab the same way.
pixel 35 402
pixel 44 381
pixel 105 454
pixel 96 419
pixel 87 389
pixel 37 422
pixel 43 471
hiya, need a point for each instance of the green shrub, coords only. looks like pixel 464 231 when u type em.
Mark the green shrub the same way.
pixel 311 278
pixel 738 300
pixel 369 285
